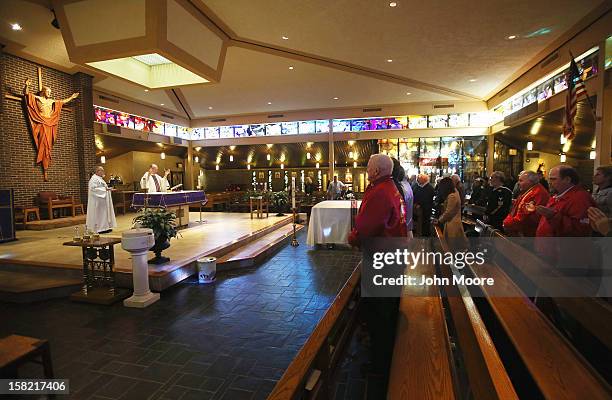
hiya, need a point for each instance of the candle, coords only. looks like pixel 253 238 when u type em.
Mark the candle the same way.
pixel 293 192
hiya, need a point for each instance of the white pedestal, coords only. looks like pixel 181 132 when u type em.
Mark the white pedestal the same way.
pixel 138 242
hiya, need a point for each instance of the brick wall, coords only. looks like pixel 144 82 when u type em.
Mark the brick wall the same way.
pixel 73 154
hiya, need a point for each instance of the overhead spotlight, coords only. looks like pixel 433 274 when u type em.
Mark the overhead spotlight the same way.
pixel 335 98
pixel 389 60
pixel 232 148
pixel 16 27
pixel 393 4
pixel 146 90
pixel 269 103
pixel 284 38
pixel 291 67
pixel 210 108
pixel 269 145
pixel 408 93
pixel 351 142
pixel 55 22
pixel 197 148
pixel 473 80
pixel 511 37
pixel 535 128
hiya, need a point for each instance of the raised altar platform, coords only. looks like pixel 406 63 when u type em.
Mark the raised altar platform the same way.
pixel 221 234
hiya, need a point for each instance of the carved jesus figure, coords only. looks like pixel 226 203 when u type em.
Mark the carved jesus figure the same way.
pixel 43 114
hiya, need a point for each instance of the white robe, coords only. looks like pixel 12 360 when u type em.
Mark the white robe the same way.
pixel 100 211
pixel 147 182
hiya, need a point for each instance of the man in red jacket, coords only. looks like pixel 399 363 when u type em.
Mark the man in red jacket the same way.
pixel 565 215
pixel 523 220
pixel 382 212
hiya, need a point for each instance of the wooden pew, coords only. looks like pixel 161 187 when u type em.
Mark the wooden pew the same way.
pixel 557 369
pixel 422 366
pixel 310 374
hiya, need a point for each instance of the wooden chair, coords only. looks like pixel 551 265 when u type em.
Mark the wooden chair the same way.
pixel 16 350
pixel 50 201
pixel 22 213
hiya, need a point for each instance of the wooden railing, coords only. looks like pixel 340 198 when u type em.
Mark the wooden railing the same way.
pixel 554 365
pixel 310 374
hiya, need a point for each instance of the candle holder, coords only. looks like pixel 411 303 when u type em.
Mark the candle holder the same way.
pixel 294 242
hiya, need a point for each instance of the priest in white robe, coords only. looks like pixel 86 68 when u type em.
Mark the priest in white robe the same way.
pixel 154 183
pixel 100 211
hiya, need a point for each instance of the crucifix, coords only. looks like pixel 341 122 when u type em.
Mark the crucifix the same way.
pixel 43 113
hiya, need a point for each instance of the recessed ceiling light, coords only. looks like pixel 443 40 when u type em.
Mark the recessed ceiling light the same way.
pixel 408 93
pixel 269 102
pixel 511 37
pixel 291 67
pixel 161 104
pixel 210 108
pixel 16 27
pixel 146 90
pixel 284 37
pixel 473 80
pixel 389 60
pixel 393 4
pixel 335 98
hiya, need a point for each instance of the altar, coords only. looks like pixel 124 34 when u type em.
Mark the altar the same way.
pixel 177 202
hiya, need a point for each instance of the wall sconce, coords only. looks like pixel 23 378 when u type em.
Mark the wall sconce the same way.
pixel 231 158
pixel 592 155
pixel 355 165
pixel 163 156
pixel 282 166
pixel 102 160
pixel 317 165
pixel 248 166
pixel 308 156
pixel 217 167
pixel 563 157
pixel 529 146
pixel 196 159
pixel 563 139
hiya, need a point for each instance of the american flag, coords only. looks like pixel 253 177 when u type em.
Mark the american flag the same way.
pixel 575 90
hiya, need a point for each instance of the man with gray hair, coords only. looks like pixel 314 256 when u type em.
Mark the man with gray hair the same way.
pixel 100 211
pixel 382 212
pixel 523 220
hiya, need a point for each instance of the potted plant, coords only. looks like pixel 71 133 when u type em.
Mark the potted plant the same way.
pixel 280 201
pixel 163 224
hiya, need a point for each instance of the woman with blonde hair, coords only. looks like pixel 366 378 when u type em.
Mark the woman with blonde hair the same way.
pixel 451 216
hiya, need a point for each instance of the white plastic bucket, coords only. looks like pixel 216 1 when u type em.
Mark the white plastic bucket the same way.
pixel 207 269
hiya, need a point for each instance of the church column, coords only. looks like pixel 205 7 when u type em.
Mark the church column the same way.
pixel 83 113
pixel 332 159
pixel 603 126
pixel 490 154
pixel 189 167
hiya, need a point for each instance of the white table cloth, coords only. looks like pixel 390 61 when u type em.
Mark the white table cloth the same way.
pixel 330 222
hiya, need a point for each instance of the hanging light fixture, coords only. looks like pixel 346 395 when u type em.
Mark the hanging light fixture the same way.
pixel 529 146
pixel 163 155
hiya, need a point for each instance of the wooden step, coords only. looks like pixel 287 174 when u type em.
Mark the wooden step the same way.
pixel 29 286
pixel 258 250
